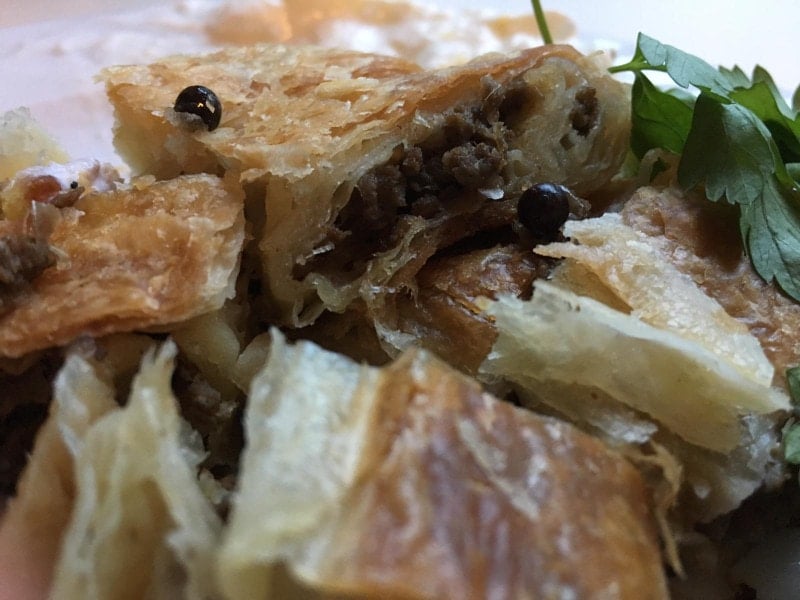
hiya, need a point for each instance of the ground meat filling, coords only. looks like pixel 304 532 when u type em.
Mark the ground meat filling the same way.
pixel 466 155
pixel 218 421
pixel 22 259
pixel 454 180
pixel 584 116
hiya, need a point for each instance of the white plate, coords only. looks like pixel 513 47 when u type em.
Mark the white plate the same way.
pixel 50 50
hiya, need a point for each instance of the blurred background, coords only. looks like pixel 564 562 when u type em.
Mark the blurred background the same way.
pixel 50 50
pixel 721 31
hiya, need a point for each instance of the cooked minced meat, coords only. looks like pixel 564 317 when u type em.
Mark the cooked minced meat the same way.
pixel 22 259
pixel 584 115
pixel 467 154
pixel 455 180
pixel 216 419
pixel 473 241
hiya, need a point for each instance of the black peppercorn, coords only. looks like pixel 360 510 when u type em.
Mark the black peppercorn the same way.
pixel 201 101
pixel 543 209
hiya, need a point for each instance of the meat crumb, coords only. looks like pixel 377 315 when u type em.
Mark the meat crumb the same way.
pixel 22 259
pixel 584 116
pixel 475 165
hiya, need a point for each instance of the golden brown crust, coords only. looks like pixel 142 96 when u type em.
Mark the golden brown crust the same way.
pixel 410 481
pixel 131 259
pixel 444 316
pixel 301 126
pixel 140 524
pixel 509 503
pixel 702 239
pixel 284 108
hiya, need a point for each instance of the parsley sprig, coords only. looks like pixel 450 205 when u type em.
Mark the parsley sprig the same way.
pixel 541 22
pixel 740 139
pixel 791 431
pixel 737 137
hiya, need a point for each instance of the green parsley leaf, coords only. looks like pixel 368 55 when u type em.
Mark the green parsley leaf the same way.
pixel 793 379
pixel 742 144
pixel 791 443
pixel 771 230
pixel 660 119
pixel 684 69
pixel 730 150
pixel 791 431
pixel 761 75
pixel 763 99
pixel 735 77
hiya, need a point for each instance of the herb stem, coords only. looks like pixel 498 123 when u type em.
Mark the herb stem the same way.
pixel 541 22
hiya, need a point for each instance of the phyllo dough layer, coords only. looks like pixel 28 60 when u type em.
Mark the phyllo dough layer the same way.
pixel 144 256
pixel 365 166
pixel 140 526
pixel 110 505
pixel 410 481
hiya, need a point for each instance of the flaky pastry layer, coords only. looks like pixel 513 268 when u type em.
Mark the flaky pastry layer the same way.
pixel 366 165
pixel 131 259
